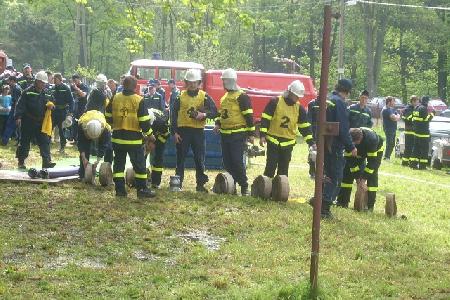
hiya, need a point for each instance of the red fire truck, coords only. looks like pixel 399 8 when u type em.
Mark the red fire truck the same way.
pixel 258 85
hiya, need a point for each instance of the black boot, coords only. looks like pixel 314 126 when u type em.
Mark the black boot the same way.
pixel 21 164
pixel 145 193
pixel 245 191
pixel 326 212
pixel 201 188
pixel 120 190
pixel 47 164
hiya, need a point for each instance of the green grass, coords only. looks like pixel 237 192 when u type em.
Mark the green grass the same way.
pixel 78 241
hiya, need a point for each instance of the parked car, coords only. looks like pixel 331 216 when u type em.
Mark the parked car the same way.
pixel 445 113
pixel 376 104
pixel 439 150
pixel 437 105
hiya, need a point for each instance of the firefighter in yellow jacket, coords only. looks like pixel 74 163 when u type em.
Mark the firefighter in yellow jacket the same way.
pixel 188 118
pixel 280 122
pixel 130 122
pixel 235 124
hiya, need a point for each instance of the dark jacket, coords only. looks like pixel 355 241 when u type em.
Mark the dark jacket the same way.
pixel 32 105
pixel 407 117
pixel 16 91
pixel 421 121
pixel 63 97
pixel 369 148
pixel 313 116
pixel 96 100
pixel 337 112
pixel 360 117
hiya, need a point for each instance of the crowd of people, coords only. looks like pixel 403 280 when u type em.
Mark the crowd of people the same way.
pixel 112 121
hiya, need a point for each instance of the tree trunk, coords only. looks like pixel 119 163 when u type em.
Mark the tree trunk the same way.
pixel 163 32
pixel 255 51
pixel 333 41
pixel 442 69
pixel 311 51
pixel 172 37
pixel 381 33
pixel 403 68
pixel 368 29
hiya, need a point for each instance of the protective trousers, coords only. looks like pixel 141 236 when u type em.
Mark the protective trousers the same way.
pixel 409 146
pixel 390 143
pixel 333 168
pixel 350 175
pixel 233 147
pixel 420 152
pixel 157 160
pixel 32 130
pixel 192 138
pixel 278 159
pixel 137 158
pixel 58 117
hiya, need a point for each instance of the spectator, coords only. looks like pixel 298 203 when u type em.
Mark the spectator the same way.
pixel 112 85
pixel 5 107
pixel 390 118
pixel 79 91
pixel 10 127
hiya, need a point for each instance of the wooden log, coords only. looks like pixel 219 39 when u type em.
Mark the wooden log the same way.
pixel 262 187
pixel 361 195
pixel 280 188
pixel 391 205
pixel 89 174
pixel 129 177
pixel 224 184
pixel 105 176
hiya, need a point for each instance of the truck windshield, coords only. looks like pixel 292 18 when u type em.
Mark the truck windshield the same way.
pixel 145 73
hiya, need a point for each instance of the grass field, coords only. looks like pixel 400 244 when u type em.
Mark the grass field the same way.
pixel 79 242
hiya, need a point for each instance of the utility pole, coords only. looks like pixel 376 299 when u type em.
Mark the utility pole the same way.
pixel 324 128
pixel 341 40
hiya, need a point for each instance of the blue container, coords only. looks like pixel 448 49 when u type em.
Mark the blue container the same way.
pixel 213 155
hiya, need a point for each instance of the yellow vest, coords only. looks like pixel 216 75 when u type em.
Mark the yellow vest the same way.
pixel 284 120
pixel 188 104
pixel 124 112
pixel 230 113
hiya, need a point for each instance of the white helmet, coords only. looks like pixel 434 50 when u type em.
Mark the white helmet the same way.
pixel 41 76
pixel 101 78
pixel 229 74
pixel 297 88
pixel 93 129
pixel 193 75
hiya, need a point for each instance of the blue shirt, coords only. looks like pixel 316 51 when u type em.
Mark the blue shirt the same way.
pixel 388 124
pixel 5 102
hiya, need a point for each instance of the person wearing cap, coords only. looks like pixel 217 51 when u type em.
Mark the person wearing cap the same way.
pixel 174 92
pixel 407 117
pixel 153 99
pixel 282 118
pixel 130 122
pixel 359 114
pixel 31 116
pixel 188 118
pixel 159 89
pixel 334 161
pixel 80 92
pixel 63 105
pixel 93 128
pixel 27 77
pixel 235 124
pixel 390 119
pixel 98 99
pixel 10 127
pixel 421 125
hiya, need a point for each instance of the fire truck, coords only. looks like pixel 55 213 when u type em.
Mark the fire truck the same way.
pixel 260 86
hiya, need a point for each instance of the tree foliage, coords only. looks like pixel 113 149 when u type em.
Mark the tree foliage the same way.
pixel 388 50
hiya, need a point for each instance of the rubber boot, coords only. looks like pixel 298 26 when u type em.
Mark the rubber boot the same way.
pixel 120 190
pixel 245 191
pixel 326 212
pixel 201 188
pixel 146 193
pixel 21 164
pixel 47 164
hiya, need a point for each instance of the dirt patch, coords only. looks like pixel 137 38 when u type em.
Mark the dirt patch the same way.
pixel 208 240
pixel 144 256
